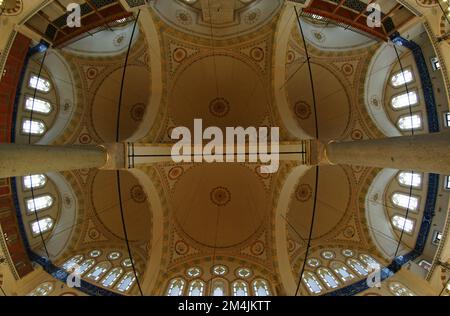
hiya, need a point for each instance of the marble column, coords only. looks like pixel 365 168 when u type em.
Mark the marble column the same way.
pixel 425 153
pixel 20 160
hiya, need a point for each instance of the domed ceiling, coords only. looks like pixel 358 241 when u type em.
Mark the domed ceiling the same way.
pixel 220 67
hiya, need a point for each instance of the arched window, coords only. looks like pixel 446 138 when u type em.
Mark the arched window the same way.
pixel 240 288
pixel 407 178
pixel 33 127
pixel 34 181
pixel 404 100
pixel 342 271
pixel 196 288
pixel 40 84
pixel 42 290
pixel 402 77
pixel 41 226
pixel 405 201
pixel 370 262
pixel 86 265
pixel 399 289
pixel 69 264
pixel 37 105
pixel 312 283
pixel 99 270
pixel 357 266
pixel 39 203
pixel 261 287
pixel 219 288
pixel 112 277
pixel 176 287
pixel 409 122
pixel 126 282
pixel 403 223
pixel 328 278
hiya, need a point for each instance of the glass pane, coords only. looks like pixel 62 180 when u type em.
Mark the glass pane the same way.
pixel 410 179
pixel 312 283
pixel 127 282
pixel 175 288
pixel 410 122
pixel 218 288
pixel 98 271
pixel 404 201
pixel 261 288
pixel 73 261
pixel 39 203
pixel 403 223
pixel 37 105
pixel 42 290
pixel 35 181
pixel 112 277
pixel 39 84
pixel 240 288
pixel 328 278
pixel 86 265
pixel 399 289
pixel 370 262
pixel 42 225
pixel 342 271
pixel 357 266
pixel 404 100
pixel 401 78
pixel 196 288
pixel 33 127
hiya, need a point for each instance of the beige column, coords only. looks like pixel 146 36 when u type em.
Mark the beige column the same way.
pixel 20 160
pixel 426 153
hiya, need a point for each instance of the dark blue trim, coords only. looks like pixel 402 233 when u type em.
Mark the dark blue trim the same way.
pixel 427 85
pixel 47 265
pixel 39 48
pixel 433 179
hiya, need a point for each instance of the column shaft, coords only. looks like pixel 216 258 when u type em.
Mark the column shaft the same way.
pixel 426 153
pixel 20 160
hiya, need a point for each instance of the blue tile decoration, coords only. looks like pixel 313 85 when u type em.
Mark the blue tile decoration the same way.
pixel 433 179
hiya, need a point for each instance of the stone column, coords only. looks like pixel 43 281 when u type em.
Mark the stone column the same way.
pixel 20 160
pixel 425 153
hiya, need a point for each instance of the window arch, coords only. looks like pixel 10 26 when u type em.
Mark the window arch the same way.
pixel 402 77
pixel 261 287
pixel 401 222
pixel 196 288
pixel 357 266
pixel 404 100
pixel 240 288
pixel 37 105
pixel 112 277
pixel 399 289
pixel 408 122
pixel 99 270
pixel 42 290
pixel 39 203
pixel 342 271
pixel 176 287
pixel 405 201
pixel 370 261
pixel 69 264
pixel 86 265
pixel 219 287
pixel 407 178
pixel 34 181
pixel 42 226
pixel 39 83
pixel 328 278
pixel 312 283
pixel 126 282
pixel 33 127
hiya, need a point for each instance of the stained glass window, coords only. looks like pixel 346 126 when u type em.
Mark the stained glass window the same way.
pixel 112 277
pixel 328 278
pixel 176 287
pixel 196 288
pixel 357 266
pixel 99 270
pixel 42 290
pixel 342 271
pixel 312 283
pixel 219 288
pixel 399 289
pixel 126 282
pixel 69 264
pixel 370 262
pixel 240 288
pixel 34 181
pixel 42 226
pixel 401 223
pixel 37 105
pixel 39 203
pixel 261 287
